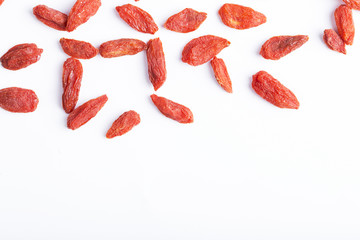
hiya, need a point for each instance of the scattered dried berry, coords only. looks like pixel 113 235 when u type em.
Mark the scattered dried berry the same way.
pixel 121 47
pixel 78 49
pixel 18 100
pixel 188 20
pixel 334 41
pixel 354 4
pixel 273 91
pixel 240 17
pixel 137 18
pixel 345 24
pixel 280 46
pixel 173 110
pixel 71 80
pixel 21 56
pixel 123 124
pixel 201 50
pixel 156 63
pixel 51 17
pixel 81 12
pixel 85 112
pixel 221 74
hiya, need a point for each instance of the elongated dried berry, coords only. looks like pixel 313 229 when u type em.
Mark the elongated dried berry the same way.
pixel 273 91
pixel 334 41
pixel 201 50
pixel 240 17
pixel 78 49
pixel 137 18
pixel 85 112
pixel 51 17
pixel 354 4
pixel 121 47
pixel 21 56
pixel 173 110
pixel 123 124
pixel 156 63
pixel 81 12
pixel 188 20
pixel 280 46
pixel 221 74
pixel 71 81
pixel 18 100
pixel 345 24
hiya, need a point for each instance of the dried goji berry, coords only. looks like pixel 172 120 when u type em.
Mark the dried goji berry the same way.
pixel 78 49
pixel 71 80
pixel 354 4
pixel 201 50
pixel 345 24
pixel 137 18
pixel 188 20
pixel 221 74
pixel 173 110
pixel 123 124
pixel 1 1
pixel 240 17
pixel 121 47
pixel 81 12
pixel 280 46
pixel 273 91
pixel 334 41
pixel 21 56
pixel 156 63
pixel 51 17
pixel 18 100
pixel 81 115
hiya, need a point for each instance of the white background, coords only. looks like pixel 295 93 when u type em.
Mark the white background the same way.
pixel 244 169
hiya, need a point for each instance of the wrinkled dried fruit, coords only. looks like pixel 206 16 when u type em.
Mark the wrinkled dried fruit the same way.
pixel 81 12
pixel 156 63
pixel 201 50
pixel 354 4
pixel 137 18
pixel 51 17
pixel 188 20
pixel 78 49
pixel 1 1
pixel 345 24
pixel 121 47
pixel 85 112
pixel 18 100
pixel 221 74
pixel 240 17
pixel 71 80
pixel 334 41
pixel 280 46
pixel 173 110
pixel 273 91
pixel 123 124
pixel 21 56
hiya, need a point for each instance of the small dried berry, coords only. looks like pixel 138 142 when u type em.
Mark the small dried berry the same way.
pixel 221 74
pixel 78 49
pixel 123 124
pixel 156 63
pixel 51 17
pixel 21 56
pixel 334 41
pixel 121 47
pixel 18 100
pixel 354 4
pixel 81 12
pixel 1 1
pixel 71 80
pixel 345 24
pixel 188 20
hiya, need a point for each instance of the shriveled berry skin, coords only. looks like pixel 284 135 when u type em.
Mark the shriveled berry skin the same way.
pixel 354 4
pixel 123 124
pixel 188 20
pixel 137 18
pixel 121 47
pixel 78 49
pixel 85 112
pixel 71 81
pixel 240 17
pixel 173 110
pixel 345 24
pixel 156 63
pixel 81 12
pixel 273 91
pixel 334 41
pixel 202 49
pixel 18 100
pixel 51 17
pixel 21 56
pixel 221 74
pixel 280 46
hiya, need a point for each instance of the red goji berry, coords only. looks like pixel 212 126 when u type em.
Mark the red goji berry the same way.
pixel 121 47
pixel 21 56
pixel 345 24
pixel 81 12
pixel 188 20
pixel 78 49
pixel 51 17
pixel 354 4
pixel 221 74
pixel 18 100
pixel 156 63
pixel 71 80
pixel 334 41
pixel 123 124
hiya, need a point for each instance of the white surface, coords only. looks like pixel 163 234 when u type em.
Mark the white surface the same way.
pixel 244 170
